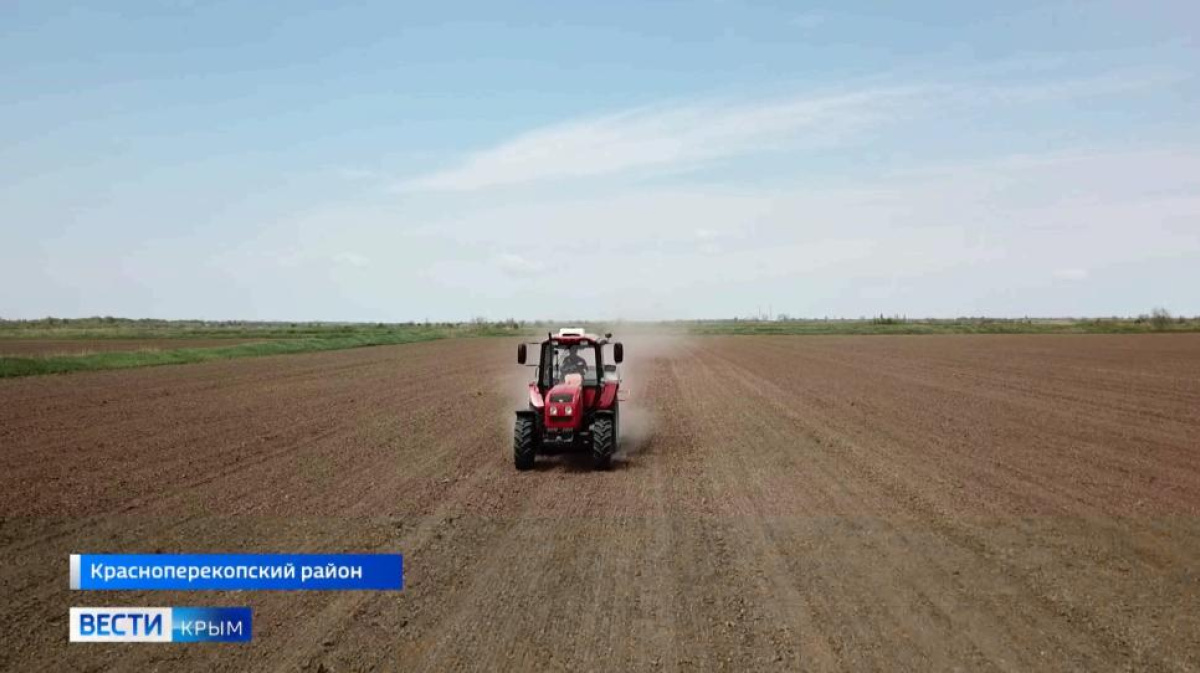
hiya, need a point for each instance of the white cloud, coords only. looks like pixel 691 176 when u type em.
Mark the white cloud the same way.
pixel 1075 230
pixel 515 265
pixel 1125 80
pixel 351 259
pixel 351 174
pixel 665 138
pixel 689 135
pixel 981 237
pixel 977 237
pixel 1071 274
pixel 709 241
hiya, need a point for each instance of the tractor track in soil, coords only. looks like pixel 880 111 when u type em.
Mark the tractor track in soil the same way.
pixel 824 503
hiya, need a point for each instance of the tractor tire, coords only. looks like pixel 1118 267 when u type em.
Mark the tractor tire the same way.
pixel 604 442
pixel 524 444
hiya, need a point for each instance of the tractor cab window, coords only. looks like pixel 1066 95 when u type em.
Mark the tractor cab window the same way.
pixel 574 360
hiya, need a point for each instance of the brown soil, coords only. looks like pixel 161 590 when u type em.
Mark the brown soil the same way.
pixel 896 503
pixel 41 347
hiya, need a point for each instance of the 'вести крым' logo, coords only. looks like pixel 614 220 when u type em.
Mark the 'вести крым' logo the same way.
pixel 160 625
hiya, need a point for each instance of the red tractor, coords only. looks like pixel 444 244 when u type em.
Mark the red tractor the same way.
pixel 573 400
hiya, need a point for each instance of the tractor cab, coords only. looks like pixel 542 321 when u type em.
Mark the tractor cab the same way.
pixel 573 360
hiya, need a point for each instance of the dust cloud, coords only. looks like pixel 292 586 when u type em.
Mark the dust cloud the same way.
pixel 648 351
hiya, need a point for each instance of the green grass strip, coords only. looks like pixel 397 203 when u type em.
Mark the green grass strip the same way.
pixel 61 364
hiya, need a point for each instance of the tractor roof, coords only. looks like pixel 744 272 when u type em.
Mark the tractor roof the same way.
pixel 569 336
pixel 576 339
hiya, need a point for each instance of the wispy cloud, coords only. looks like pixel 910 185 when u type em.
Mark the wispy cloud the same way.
pixel 356 174
pixel 1071 274
pixel 1116 82
pixel 352 259
pixel 686 136
pixel 515 265
pixel 665 138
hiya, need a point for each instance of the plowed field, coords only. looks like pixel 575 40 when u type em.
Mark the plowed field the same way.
pixel 925 503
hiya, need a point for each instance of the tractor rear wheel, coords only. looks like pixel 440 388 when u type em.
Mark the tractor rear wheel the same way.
pixel 604 442
pixel 524 445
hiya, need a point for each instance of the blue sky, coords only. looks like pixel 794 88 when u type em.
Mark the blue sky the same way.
pixel 383 161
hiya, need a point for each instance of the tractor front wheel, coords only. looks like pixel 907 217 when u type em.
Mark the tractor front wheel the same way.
pixel 604 442
pixel 524 446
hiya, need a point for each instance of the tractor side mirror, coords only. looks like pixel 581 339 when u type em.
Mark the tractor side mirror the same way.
pixel 520 354
pixel 618 352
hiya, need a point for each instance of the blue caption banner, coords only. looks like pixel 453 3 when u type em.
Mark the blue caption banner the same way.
pixel 226 572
